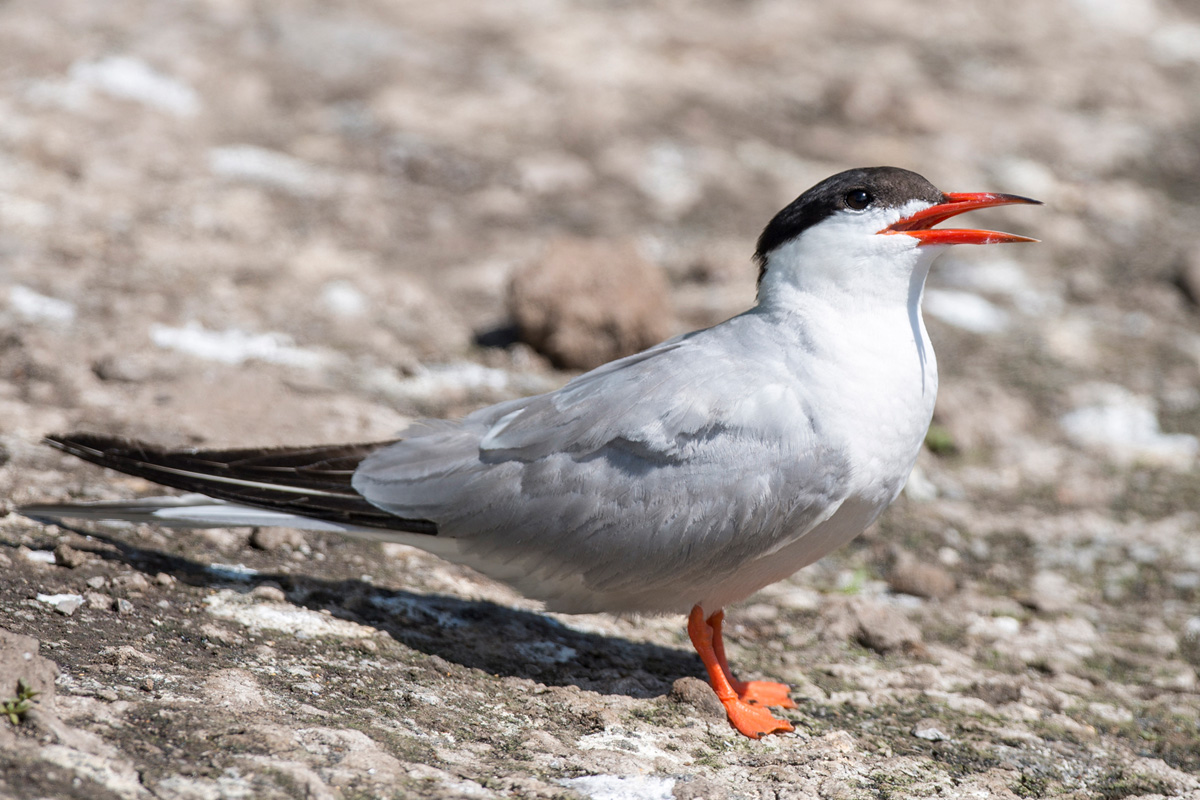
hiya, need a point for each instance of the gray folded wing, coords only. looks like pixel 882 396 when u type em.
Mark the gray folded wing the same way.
pixel 674 465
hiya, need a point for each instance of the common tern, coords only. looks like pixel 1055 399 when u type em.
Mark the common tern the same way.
pixel 678 480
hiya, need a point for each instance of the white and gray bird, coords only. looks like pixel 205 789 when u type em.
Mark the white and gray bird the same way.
pixel 677 480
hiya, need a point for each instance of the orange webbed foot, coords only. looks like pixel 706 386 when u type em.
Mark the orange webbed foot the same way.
pixel 754 721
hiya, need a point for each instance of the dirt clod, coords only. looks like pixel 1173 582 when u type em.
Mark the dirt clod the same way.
pixel 699 695
pixel 587 302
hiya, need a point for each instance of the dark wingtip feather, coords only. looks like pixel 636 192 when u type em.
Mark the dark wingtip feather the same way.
pixel 309 481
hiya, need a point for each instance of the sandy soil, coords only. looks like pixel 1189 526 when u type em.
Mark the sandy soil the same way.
pixel 231 222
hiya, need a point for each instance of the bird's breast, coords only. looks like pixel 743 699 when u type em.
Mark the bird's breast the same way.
pixel 874 381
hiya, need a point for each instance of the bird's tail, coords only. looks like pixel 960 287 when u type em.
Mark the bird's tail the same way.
pixel 299 487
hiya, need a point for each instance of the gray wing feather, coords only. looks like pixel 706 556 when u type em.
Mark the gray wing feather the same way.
pixel 623 474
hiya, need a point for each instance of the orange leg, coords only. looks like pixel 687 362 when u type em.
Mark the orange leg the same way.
pixel 765 693
pixel 754 721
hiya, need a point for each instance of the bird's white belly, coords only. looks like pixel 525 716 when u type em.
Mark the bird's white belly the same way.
pixel 850 519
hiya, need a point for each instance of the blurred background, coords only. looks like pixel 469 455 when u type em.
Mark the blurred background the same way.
pixel 235 222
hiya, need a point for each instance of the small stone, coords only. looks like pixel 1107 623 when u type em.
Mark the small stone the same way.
pixel 163 579
pixel 69 607
pixel 1111 713
pixel 96 582
pixel 269 593
pixel 132 368
pixel 222 539
pixel 147 685
pixel 994 628
pixel 587 302
pixel 930 730
pixel 218 634
pixel 798 598
pixel 1115 421
pixel 97 601
pixel 1050 593
pixel 37 556
pixel 69 557
pixel 920 578
pixel 123 606
pixel 126 655
pixel 133 581
pixel 276 539
pixel 699 695
pixel 65 604
pixel 884 629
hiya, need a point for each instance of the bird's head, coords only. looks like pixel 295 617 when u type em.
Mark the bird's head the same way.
pixel 867 233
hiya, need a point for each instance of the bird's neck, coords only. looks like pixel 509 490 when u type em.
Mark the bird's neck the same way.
pixel 867 331
pixel 890 280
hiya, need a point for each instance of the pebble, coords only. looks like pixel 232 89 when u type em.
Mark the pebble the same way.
pixel 587 302
pixel 38 556
pixel 65 604
pixel 884 630
pixel 1051 593
pixel 270 168
pixel 920 578
pixel 546 173
pixel 69 557
pixel 133 368
pixel 798 598
pixel 1111 713
pixel 131 78
pixel 993 628
pixel 70 606
pixel 97 601
pixel 132 581
pixel 38 307
pixel 699 695
pixel 341 298
pixel 276 539
pixel 1123 425
pixel 929 730
pixel 622 787
pixel 269 593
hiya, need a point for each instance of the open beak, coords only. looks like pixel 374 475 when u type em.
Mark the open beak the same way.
pixel 920 225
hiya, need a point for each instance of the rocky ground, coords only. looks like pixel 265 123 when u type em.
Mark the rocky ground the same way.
pixel 232 222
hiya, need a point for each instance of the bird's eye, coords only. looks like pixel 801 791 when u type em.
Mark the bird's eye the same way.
pixel 858 199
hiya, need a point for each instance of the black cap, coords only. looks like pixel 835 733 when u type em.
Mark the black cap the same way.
pixel 881 187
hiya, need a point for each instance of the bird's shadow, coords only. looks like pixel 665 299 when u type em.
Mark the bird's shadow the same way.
pixel 476 634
